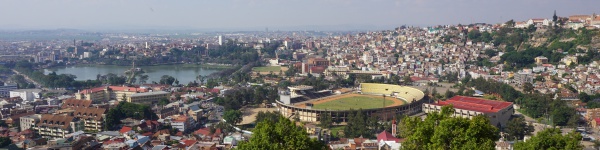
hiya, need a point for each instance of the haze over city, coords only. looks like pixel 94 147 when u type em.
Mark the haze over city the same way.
pixel 299 74
pixel 274 14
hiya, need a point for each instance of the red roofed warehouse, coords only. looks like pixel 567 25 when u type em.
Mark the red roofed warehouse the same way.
pixel 498 111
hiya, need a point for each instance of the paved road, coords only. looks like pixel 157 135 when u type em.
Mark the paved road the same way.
pixel 28 79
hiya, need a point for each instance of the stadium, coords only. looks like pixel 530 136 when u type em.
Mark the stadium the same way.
pixel 376 100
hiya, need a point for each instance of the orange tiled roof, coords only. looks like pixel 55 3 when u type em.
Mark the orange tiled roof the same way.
pixel 125 129
pixel 49 120
pixel 89 113
pixel 76 103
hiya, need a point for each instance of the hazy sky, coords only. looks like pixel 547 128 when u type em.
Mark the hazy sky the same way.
pixel 258 14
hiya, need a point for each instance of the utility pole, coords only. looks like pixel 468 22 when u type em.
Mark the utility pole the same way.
pixel 385 110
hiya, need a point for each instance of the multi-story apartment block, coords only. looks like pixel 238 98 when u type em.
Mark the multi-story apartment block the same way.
pixel 108 93
pixel 92 118
pixel 318 62
pixel 523 77
pixel 57 126
pixel 30 121
pixel 592 114
pixel 5 90
pixel 195 112
pixel 148 98
pixel 181 122
pixel 26 94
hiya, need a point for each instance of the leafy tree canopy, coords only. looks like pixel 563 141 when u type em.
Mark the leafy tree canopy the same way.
pixel 284 134
pixel 233 117
pixel 441 131
pixel 551 138
pixel 517 127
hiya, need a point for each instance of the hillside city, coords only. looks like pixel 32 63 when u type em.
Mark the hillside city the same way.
pixel 519 84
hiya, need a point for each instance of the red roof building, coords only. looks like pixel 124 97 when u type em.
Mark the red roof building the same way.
pixel 497 111
pixel 386 136
pixel 595 123
pixel 475 104
pixel 125 129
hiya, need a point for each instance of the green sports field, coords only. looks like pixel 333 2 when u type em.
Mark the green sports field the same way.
pixel 267 69
pixel 355 102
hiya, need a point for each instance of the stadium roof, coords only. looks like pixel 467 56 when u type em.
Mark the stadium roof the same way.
pixel 300 87
pixel 475 104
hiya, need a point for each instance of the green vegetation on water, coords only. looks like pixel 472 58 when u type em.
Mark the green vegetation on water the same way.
pixel 267 69
pixel 357 102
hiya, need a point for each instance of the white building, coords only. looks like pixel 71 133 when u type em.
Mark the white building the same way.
pixel 575 25
pixel 87 54
pixel 181 122
pixel 28 122
pixel 220 40
pixel 367 58
pixel 539 22
pixel 26 94
pixel 5 90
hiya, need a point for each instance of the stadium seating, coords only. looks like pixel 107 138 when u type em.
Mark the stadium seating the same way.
pixel 407 93
pixel 308 95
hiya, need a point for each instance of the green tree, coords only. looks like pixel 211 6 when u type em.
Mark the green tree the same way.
pixel 283 134
pixel 528 87
pixel 176 82
pixel 201 78
pixel 359 124
pixel 112 119
pixel 5 141
pixel 449 94
pixel 127 110
pixel 434 92
pixel 406 80
pixel 211 83
pixel 551 138
pixel 272 116
pixel 3 124
pixel 554 17
pixel 510 23
pixel 143 79
pixel 163 101
pixel 167 79
pixel 325 121
pixel 517 127
pixel 233 117
pixel 584 97
pixel 442 131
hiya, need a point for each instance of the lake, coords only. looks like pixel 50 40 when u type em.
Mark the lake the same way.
pixel 185 73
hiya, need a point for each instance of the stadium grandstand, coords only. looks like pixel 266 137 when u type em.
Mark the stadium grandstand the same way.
pixel 405 93
pixel 301 93
pixel 299 101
